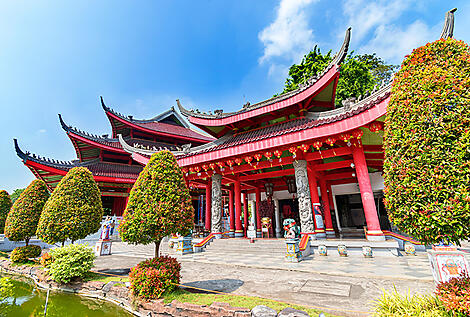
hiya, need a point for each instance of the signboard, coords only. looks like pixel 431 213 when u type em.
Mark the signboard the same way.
pixel 251 234
pixel 446 265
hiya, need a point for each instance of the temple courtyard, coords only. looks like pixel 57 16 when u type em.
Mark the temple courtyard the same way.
pixel 342 286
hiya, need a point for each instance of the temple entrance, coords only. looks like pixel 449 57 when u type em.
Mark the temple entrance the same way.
pixel 289 208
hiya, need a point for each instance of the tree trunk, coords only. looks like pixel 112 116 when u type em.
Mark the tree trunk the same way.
pixel 27 241
pixel 63 243
pixel 157 248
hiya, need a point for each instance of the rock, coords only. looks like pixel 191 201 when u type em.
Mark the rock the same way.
pixel 263 311
pixel 291 312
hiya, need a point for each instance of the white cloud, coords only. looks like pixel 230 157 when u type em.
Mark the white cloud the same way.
pixel 289 36
pixel 42 131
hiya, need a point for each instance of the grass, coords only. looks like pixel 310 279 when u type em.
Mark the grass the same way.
pixel 92 276
pixel 393 304
pixel 249 302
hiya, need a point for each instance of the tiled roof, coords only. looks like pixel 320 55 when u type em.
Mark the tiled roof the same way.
pixel 154 124
pixel 97 167
pixel 337 60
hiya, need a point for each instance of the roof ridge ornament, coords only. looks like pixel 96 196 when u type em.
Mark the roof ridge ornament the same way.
pixel 343 51
pixel 448 28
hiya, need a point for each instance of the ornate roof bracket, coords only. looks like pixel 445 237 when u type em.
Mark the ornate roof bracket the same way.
pixel 25 156
pixel 448 28
pixel 343 51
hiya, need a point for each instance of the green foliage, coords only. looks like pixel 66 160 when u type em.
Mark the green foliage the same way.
pixel 22 220
pixel 159 203
pixel 16 194
pixel 455 295
pixel 6 288
pixel 153 277
pixel 74 209
pixel 70 261
pixel 359 73
pixel 393 304
pixel 46 260
pixel 23 254
pixel 427 144
pixel 5 205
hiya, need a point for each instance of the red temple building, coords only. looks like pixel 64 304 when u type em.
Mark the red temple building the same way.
pixel 295 153
pixel 113 168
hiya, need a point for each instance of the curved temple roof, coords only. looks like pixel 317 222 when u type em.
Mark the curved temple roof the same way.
pixel 219 114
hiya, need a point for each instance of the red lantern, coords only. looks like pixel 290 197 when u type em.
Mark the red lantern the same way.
pixel 258 156
pixel 238 160
pixel 330 140
pixel 197 169
pixel 268 155
pixel 191 169
pixel 230 163
pixel 278 153
pixel 345 137
pixel 212 166
pixel 304 147
pixel 376 126
pixel 317 144
pixel 357 133
pixel 185 170
pixel 248 159
pixel 220 164
pixel 205 167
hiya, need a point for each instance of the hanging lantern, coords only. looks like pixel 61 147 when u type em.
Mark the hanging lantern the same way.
pixel 248 159
pixel 230 163
pixel 304 147
pixel 197 169
pixel 317 144
pixel 330 140
pixel 293 150
pixel 184 170
pixel 238 160
pixel 376 126
pixel 357 134
pixel 258 156
pixel 205 167
pixel 212 166
pixel 191 169
pixel 345 137
pixel 278 154
pixel 269 189
pixel 268 155
pixel 220 164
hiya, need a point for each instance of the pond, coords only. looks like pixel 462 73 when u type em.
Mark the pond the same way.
pixel 28 300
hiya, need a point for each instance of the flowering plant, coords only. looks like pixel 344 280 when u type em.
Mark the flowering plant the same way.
pixel 455 294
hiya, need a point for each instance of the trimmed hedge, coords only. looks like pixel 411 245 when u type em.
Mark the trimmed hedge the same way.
pixel 427 144
pixel 23 254
pixel 5 206
pixel 455 295
pixel 23 218
pixel 153 277
pixel 74 209
pixel 159 203
pixel 70 262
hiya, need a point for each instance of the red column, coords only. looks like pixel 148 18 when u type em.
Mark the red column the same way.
pixel 238 209
pixel 373 226
pixel 258 215
pixel 312 184
pixel 208 206
pixel 245 212
pixel 326 204
pixel 231 211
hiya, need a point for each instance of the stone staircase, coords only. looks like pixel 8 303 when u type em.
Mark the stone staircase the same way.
pixel 273 247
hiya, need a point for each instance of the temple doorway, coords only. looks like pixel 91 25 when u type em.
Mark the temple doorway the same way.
pixel 289 208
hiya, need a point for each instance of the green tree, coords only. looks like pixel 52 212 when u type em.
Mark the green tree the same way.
pixel 427 144
pixel 359 73
pixel 5 205
pixel 74 209
pixel 22 220
pixel 159 203
pixel 16 193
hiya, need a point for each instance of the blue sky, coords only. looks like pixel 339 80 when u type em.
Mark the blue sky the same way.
pixel 60 56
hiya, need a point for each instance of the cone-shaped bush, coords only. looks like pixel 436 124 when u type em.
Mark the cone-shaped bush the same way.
pixel 159 203
pixel 74 209
pixel 5 205
pixel 22 220
pixel 427 144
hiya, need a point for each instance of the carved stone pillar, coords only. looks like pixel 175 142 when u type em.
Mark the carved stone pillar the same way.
pixel 277 216
pixel 216 220
pixel 303 195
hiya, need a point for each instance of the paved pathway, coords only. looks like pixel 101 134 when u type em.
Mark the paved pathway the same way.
pixel 332 282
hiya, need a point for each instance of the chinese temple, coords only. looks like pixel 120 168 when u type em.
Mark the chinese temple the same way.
pixel 113 168
pixel 296 156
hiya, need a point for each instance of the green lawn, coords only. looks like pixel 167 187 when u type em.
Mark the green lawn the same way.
pixel 92 276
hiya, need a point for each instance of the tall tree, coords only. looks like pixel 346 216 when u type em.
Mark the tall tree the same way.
pixel 74 209
pixel 16 193
pixel 22 220
pixel 5 205
pixel 359 73
pixel 159 203
pixel 427 144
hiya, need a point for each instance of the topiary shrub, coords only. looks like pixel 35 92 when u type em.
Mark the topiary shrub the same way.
pixel 159 203
pixel 70 261
pixel 455 295
pixel 5 206
pixel 427 144
pixel 23 254
pixel 22 220
pixel 74 209
pixel 153 277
